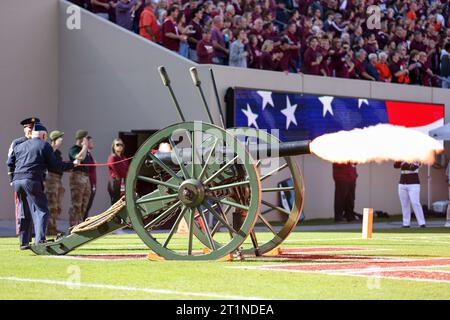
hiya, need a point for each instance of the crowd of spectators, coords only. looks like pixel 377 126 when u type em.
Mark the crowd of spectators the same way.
pixel 334 38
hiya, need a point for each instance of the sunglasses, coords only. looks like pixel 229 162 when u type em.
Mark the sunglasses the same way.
pixel 119 145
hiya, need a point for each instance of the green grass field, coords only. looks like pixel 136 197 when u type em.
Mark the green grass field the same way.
pixel 26 276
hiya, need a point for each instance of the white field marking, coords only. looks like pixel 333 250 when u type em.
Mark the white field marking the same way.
pixel 375 238
pixel 270 266
pixel 125 288
pixel 331 251
pixel 354 274
pixel 378 269
pixel 300 241
pixel 124 258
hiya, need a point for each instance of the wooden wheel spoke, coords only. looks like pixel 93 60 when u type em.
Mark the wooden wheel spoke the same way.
pixel 159 182
pixel 160 198
pixel 274 171
pixel 230 203
pixel 267 224
pixel 163 215
pixel 207 229
pixel 218 217
pixel 202 173
pixel 191 231
pixel 175 227
pixel 164 166
pixel 277 189
pixel 180 162
pixel 231 185
pixel 282 210
pixel 224 215
pixel 229 163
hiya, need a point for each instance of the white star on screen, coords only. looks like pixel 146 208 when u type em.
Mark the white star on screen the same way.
pixel 361 101
pixel 251 117
pixel 326 102
pixel 289 113
pixel 266 98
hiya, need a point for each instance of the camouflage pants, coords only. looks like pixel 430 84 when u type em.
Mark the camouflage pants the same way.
pixel 55 193
pixel 80 191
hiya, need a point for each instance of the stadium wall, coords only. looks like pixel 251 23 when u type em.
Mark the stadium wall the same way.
pixel 28 75
pixel 108 83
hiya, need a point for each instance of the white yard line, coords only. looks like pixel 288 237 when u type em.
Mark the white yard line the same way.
pixel 73 285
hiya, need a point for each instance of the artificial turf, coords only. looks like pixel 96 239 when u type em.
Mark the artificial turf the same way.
pixel 218 280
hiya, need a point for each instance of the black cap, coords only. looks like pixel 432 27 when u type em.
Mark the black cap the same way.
pixel 29 121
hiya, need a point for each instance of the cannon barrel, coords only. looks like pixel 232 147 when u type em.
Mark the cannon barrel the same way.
pixel 257 151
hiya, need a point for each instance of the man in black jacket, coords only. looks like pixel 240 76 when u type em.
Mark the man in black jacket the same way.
pixel 30 160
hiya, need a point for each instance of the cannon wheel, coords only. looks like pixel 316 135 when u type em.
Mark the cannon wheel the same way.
pixel 192 180
pixel 269 184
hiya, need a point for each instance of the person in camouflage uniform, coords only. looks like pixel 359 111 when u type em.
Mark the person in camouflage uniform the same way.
pixel 80 186
pixel 54 189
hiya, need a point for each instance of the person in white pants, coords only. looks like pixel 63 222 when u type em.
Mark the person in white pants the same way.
pixel 409 192
pixel 447 172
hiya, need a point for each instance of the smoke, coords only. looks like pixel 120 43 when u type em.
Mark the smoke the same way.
pixel 379 143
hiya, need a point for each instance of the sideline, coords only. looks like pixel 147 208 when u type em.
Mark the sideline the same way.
pixel 73 285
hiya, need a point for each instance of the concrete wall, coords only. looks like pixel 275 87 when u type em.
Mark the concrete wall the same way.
pixel 28 75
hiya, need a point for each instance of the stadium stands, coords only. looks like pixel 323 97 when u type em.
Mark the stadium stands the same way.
pixel 333 38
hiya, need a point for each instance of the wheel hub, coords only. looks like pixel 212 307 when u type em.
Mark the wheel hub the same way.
pixel 191 193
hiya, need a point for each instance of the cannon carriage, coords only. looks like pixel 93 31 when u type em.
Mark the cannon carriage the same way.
pixel 213 179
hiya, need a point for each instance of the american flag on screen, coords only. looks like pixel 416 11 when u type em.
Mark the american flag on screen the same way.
pixel 306 116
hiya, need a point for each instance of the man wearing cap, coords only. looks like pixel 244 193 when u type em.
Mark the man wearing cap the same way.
pixel 27 128
pixel 54 189
pixel 30 160
pixel 80 186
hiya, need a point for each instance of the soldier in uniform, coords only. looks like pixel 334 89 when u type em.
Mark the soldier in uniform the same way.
pixel 80 186
pixel 54 189
pixel 30 160
pixel 27 128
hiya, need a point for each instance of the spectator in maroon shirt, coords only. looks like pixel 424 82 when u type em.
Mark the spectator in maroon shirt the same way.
pixel 170 34
pixel 312 58
pixel 360 69
pixel 257 31
pixel 101 8
pixel 284 49
pixel 399 36
pixel 291 33
pixel 400 73
pixel 205 49
pixel 269 59
pixel 255 53
pixel 371 44
pixel 269 33
pixel 425 70
pixel 338 54
pixel 196 35
pixel 118 170
pixel 417 42
pixel 218 41
pixel 323 48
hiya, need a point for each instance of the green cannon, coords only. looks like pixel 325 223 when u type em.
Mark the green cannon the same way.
pixel 220 183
